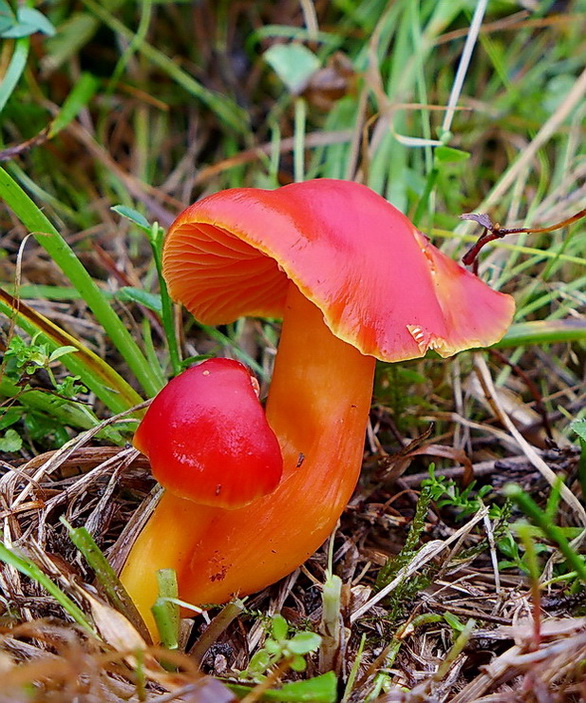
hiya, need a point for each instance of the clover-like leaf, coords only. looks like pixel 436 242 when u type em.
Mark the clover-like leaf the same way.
pixel 293 63
pixel 304 643
pixel 28 21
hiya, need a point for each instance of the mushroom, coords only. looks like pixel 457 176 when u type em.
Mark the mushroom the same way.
pixel 210 446
pixel 354 281
pixel 207 437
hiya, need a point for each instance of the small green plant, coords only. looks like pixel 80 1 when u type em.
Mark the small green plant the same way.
pixel 467 501
pixel 23 23
pixel 280 649
pixel 515 556
pixel 445 492
pixel 24 360
pixel 407 590
pixel 396 563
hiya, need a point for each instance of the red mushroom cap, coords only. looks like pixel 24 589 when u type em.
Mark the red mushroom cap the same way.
pixel 207 437
pixel 381 285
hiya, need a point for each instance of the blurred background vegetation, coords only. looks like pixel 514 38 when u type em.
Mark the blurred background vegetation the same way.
pixel 150 105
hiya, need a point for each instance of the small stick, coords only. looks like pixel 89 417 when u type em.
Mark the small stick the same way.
pixel 493 230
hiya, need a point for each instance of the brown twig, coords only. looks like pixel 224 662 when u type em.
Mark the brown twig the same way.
pixel 12 152
pixel 493 230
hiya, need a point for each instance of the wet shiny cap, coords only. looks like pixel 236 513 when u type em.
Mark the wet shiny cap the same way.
pixel 207 437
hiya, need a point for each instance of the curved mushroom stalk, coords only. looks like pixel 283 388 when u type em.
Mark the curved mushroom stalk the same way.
pixel 165 542
pixel 318 407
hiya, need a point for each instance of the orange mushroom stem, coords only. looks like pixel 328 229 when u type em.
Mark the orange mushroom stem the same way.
pixel 353 281
pixel 219 552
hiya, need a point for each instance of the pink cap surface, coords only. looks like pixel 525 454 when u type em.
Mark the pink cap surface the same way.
pixel 380 284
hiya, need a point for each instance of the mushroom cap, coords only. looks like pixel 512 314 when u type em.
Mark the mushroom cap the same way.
pixel 380 284
pixel 207 437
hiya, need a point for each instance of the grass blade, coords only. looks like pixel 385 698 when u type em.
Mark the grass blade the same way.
pixel 543 332
pixel 30 569
pixel 165 610
pixel 14 70
pixel 66 412
pixel 82 93
pixel 106 576
pixel 94 372
pixel 62 254
pixel 550 530
pixel 224 108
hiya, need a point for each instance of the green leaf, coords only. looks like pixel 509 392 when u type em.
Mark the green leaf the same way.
pixel 579 427
pixel 298 663
pixel 7 18
pixel 259 663
pixel 128 294
pixel 134 216
pixel 10 415
pixel 28 21
pixel 454 622
pixel 447 154
pixel 273 647
pixel 5 24
pixel 11 442
pixel 321 689
pixel 18 31
pixel 293 63
pixel 61 351
pixel 42 428
pixel 14 71
pixel 36 19
pixel 83 91
pixel 279 627
pixel 6 10
pixel 304 643
pixel 69 387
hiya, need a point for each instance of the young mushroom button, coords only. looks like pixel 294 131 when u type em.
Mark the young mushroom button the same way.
pixel 207 437
pixel 354 281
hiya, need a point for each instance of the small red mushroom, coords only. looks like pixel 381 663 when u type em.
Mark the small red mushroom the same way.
pixel 210 447
pixel 207 437
pixel 354 281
